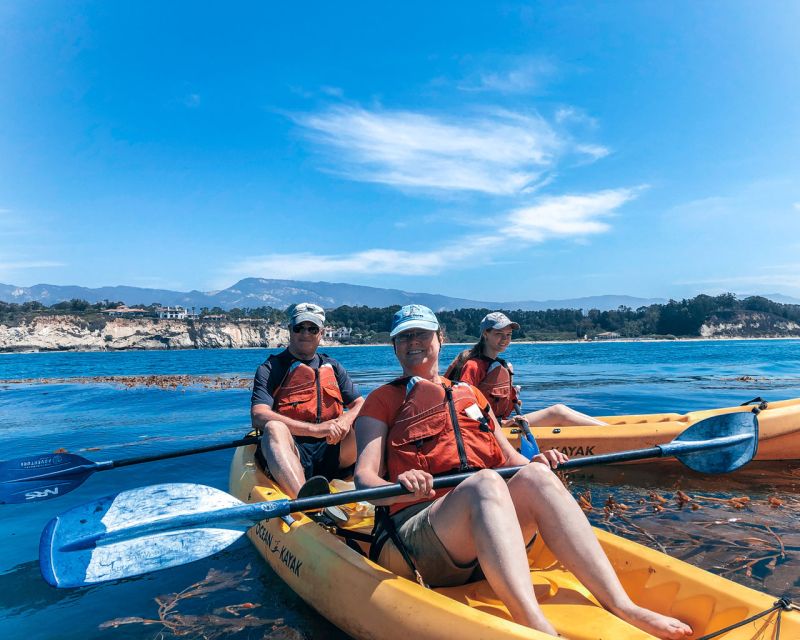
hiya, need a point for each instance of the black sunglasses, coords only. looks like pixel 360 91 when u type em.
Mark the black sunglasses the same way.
pixel 313 330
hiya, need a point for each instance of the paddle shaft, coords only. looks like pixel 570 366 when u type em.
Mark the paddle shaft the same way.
pixel 444 482
pixel 89 467
pixel 161 519
pixel 113 464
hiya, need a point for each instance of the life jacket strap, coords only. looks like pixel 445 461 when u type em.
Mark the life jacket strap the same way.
pixel 385 530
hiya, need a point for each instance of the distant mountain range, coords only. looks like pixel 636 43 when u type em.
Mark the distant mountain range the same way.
pixel 260 292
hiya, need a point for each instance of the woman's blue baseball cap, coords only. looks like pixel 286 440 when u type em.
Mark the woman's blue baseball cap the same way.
pixel 413 316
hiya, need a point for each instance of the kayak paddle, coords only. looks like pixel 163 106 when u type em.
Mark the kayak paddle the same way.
pixel 167 525
pixel 51 475
pixel 528 446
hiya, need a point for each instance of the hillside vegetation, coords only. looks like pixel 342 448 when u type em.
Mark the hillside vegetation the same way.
pixel 701 316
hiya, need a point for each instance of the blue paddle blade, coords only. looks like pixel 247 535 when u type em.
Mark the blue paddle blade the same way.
pixel 42 477
pixel 528 446
pixel 732 440
pixel 142 530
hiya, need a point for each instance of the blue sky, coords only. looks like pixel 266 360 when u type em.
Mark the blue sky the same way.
pixel 501 151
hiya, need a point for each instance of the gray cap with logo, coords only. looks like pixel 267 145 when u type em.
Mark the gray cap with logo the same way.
pixel 306 312
pixel 497 320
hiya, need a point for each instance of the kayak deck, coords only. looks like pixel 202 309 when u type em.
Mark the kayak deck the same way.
pixel 778 426
pixel 367 601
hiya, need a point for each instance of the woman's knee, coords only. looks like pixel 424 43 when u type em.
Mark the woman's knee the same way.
pixel 538 476
pixel 560 410
pixel 486 484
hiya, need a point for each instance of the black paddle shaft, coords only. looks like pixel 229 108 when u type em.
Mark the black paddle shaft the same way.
pixel 393 490
pixel 676 449
pixel 113 464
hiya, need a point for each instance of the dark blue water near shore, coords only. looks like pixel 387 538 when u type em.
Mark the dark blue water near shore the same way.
pixel 602 379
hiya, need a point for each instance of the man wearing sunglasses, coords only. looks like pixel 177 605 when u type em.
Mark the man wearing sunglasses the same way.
pixel 298 403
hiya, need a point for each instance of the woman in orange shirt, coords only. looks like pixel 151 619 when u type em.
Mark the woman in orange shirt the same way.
pixel 422 424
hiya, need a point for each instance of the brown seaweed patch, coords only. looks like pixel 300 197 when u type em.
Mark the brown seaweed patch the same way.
pixel 753 540
pixel 221 622
pixel 169 382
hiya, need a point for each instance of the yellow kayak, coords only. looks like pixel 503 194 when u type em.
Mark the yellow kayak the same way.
pixel 369 602
pixel 778 432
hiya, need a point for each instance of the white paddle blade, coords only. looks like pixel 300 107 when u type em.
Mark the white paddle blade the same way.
pixel 87 544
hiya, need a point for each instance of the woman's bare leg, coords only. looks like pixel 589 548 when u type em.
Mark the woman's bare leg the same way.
pixel 560 415
pixel 541 499
pixel 477 520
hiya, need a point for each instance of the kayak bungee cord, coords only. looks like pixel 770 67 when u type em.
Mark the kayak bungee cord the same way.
pixel 780 605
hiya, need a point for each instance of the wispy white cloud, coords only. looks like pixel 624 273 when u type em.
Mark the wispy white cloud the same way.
pixel 568 216
pixel 20 265
pixel 592 151
pixel 373 261
pixel 335 92
pixel 701 211
pixel 192 100
pixel 516 74
pixel 796 206
pixel 784 276
pixel 566 115
pixel 496 152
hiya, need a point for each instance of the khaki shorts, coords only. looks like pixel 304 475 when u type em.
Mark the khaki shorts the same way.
pixel 431 558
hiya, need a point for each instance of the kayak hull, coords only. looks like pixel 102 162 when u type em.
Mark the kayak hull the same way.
pixel 778 427
pixel 368 602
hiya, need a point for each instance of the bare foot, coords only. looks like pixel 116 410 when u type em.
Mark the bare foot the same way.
pixel 543 624
pixel 656 624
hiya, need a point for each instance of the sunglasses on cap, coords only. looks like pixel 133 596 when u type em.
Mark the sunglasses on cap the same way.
pixel 299 328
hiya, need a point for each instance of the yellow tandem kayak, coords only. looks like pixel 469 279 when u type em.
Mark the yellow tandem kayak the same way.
pixel 369 602
pixel 778 437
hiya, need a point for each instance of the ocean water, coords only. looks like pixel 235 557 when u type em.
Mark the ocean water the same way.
pixel 104 421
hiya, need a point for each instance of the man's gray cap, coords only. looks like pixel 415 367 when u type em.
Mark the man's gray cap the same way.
pixel 306 312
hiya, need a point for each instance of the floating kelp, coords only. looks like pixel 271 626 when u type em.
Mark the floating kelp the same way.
pixel 751 539
pixel 221 622
pixel 168 382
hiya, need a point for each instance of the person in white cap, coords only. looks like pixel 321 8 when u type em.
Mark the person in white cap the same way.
pixel 298 402
pixel 422 425
pixel 482 366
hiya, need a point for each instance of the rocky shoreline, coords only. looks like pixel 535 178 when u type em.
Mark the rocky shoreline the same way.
pixel 71 333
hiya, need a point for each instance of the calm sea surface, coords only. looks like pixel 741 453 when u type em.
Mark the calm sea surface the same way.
pixel 104 422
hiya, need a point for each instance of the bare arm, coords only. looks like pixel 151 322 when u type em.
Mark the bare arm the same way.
pixel 370 465
pixel 349 416
pixel 514 458
pixel 260 414
pixel 341 426
pixel 334 430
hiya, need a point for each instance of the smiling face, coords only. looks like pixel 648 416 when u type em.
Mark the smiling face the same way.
pixel 304 339
pixel 417 350
pixel 496 341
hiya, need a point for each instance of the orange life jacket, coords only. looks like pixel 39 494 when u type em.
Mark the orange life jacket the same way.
pixel 308 394
pixel 439 429
pixel 499 390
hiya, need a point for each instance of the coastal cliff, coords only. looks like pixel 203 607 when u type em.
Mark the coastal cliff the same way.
pixel 71 333
pixel 749 325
